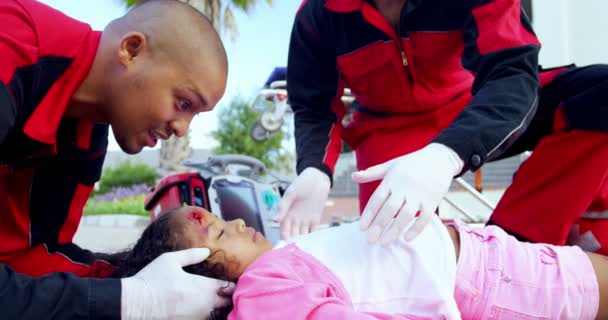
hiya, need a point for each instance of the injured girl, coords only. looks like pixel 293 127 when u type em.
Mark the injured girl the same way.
pixel 447 272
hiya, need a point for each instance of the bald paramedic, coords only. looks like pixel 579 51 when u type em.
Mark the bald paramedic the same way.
pixel 62 85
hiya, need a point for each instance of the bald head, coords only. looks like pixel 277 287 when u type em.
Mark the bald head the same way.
pixel 155 69
pixel 173 30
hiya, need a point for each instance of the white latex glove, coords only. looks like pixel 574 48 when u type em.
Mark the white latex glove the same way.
pixel 163 290
pixel 412 183
pixel 302 204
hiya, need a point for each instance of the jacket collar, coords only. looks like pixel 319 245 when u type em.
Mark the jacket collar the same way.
pixel 355 5
pixel 343 5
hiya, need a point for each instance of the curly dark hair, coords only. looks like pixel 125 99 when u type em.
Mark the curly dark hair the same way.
pixel 160 237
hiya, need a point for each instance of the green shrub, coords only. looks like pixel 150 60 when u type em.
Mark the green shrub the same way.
pixel 129 205
pixel 127 174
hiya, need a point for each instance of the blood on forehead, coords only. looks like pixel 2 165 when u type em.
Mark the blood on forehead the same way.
pixel 199 217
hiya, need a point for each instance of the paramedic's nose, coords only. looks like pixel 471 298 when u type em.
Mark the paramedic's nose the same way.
pixel 180 126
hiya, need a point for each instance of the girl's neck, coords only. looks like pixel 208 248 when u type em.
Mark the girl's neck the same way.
pixel 244 267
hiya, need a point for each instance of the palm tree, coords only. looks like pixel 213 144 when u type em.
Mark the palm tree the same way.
pixel 220 13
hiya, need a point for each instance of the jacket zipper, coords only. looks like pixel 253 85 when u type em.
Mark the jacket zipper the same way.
pixel 403 56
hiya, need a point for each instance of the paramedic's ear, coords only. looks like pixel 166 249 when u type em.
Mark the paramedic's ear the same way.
pixel 132 45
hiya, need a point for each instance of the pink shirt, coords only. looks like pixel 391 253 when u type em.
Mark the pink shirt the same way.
pixel 287 283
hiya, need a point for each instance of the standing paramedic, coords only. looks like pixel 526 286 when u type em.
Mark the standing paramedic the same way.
pixel 442 87
pixel 62 85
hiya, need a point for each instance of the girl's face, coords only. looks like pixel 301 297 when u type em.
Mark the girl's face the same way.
pixel 233 245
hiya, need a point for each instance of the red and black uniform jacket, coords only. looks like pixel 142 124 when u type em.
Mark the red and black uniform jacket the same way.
pixel 48 167
pixel 467 67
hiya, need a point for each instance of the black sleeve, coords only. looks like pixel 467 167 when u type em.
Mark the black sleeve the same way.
pixel 57 296
pixel 7 112
pixel 501 50
pixel 314 89
pixel 18 44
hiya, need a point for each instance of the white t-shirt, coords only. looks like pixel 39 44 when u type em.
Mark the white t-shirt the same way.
pixel 415 277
